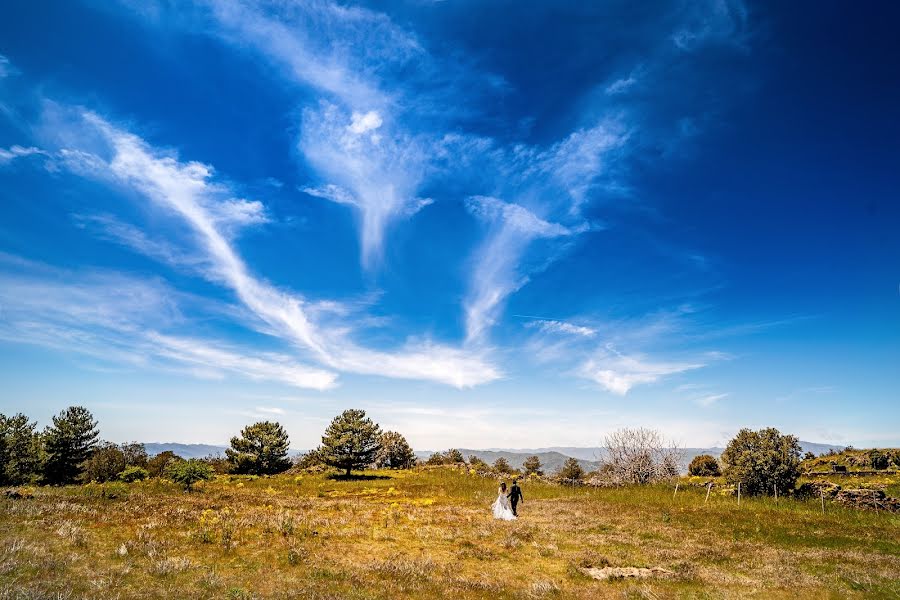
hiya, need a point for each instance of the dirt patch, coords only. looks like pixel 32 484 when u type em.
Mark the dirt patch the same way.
pixel 605 573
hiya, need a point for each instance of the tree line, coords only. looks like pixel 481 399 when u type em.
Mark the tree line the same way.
pixel 69 451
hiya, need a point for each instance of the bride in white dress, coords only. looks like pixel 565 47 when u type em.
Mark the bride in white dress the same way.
pixel 502 509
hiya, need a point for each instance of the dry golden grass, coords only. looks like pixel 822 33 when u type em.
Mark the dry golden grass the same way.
pixel 424 533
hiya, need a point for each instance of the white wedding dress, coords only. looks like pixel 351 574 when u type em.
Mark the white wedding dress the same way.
pixel 502 509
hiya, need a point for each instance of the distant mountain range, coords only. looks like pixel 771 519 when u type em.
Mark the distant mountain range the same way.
pixel 551 458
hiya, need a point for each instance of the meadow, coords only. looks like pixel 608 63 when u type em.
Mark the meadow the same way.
pixel 429 533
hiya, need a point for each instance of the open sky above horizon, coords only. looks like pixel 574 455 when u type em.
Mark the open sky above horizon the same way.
pixel 488 224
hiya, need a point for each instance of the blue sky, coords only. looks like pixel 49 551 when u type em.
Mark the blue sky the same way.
pixel 488 224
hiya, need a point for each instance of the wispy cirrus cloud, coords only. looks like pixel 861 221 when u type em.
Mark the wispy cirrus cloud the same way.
pixel 126 320
pixel 618 373
pixel 7 155
pixel 187 190
pixel 551 326
pixel 353 139
pixel 495 275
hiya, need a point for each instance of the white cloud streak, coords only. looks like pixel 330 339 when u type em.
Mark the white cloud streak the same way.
pixel 365 158
pixel 119 319
pixel 9 154
pixel 495 275
pixel 186 190
pixel 618 373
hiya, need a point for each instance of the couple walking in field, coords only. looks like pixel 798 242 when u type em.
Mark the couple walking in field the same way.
pixel 505 505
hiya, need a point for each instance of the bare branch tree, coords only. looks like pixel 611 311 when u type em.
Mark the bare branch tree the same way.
pixel 639 456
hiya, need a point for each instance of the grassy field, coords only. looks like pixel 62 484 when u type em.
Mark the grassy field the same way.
pixel 429 533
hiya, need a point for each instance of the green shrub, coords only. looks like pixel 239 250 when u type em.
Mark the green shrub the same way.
pixel 189 472
pixel 478 464
pixel 104 464
pixel 132 474
pixel 879 460
pixel 157 466
pixel 436 459
pixel 762 460
pixel 704 465
pixel 395 452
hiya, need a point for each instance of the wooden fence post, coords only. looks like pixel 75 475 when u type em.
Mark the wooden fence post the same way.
pixel 708 489
pixel 823 500
pixel 676 489
pixel 739 493
pixel 775 485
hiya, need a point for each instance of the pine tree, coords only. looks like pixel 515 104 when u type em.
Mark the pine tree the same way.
pixel 262 449
pixel 571 470
pixel 395 452
pixel 501 465
pixel 68 443
pixel 20 450
pixel 454 456
pixel 351 441
pixel 531 465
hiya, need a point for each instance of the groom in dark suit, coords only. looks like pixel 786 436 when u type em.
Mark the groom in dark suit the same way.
pixel 514 495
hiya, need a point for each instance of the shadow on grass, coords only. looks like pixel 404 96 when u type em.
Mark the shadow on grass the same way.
pixel 355 477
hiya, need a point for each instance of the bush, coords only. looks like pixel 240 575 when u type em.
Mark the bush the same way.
pixel 351 441
pixel 571 470
pixel 761 461
pixel 262 449
pixel 879 460
pixel 395 452
pixel 132 474
pixel 436 459
pixel 704 465
pixel 309 460
pixel 478 464
pixel 189 472
pixel 157 466
pixel 104 464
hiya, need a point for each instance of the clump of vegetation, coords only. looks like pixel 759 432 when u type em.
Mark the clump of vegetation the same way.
pixel 394 452
pixel 762 461
pixel 436 459
pixel 188 472
pixel 639 456
pixel 351 441
pixel 159 464
pixel 107 461
pixel 704 465
pixel 571 470
pixel 501 466
pixel 261 449
pixel 532 466
pixel 20 450
pixel 68 443
pixel 454 456
pixel 477 464
pixel 133 473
